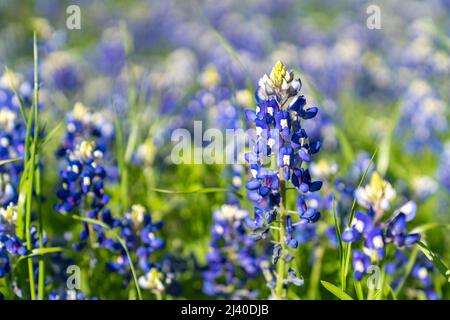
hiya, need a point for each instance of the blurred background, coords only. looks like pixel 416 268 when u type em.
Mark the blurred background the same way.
pixel 159 65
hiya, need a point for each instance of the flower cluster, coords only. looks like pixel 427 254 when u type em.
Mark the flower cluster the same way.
pixel 12 147
pixel 60 72
pixel 375 233
pixel 83 181
pixel 139 234
pixel 279 135
pixel 10 245
pixel 231 259
pixel 280 149
pixel 12 135
pixel 83 178
pixel 81 125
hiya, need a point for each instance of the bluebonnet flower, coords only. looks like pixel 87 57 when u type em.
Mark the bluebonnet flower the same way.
pixel 110 56
pixel 12 145
pixel 81 125
pixel 12 134
pixel 61 72
pixel 360 264
pixel 82 189
pixel 83 176
pixel 10 244
pixel 232 259
pixel 153 281
pixel 369 227
pixel 422 272
pixel 280 140
pixel 140 235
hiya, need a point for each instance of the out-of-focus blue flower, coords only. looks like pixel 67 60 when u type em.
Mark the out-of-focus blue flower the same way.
pixel 443 173
pixel 424 117
pixel 422 271
pixel 61 72
pixel 361 263
pixel 232 260
pixel 110 57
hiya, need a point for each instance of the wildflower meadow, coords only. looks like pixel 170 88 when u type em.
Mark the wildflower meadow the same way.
pixel 224 150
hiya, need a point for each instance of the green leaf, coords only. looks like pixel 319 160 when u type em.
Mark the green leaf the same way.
pixel 202 190
pixel 429 226
pixel 358 289
pixel 385 146
pixel 50 135
pixel 352 210
pixel 336 291
pixel 123 169
pixel 389 289
pixel 438 263
pixel 340 243
pixel 91 221
pixel 348 247
pixel 133 272
pixel 40 252
pixel 3 162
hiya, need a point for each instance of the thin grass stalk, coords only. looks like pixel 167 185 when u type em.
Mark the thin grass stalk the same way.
pixel 282 235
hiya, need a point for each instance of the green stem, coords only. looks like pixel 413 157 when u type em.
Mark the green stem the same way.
pixel 133 271
pixel 123 169
pixel 282 237
pixel 41 277
pixel 31 170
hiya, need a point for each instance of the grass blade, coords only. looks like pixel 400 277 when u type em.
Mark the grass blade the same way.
pixel 348 247
pixel 385 146
pixel 346 147
pixel 336 291
pixel 437 262
pixel 3 162
pixel 202 190
pixel 40 252
pixel 358 289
